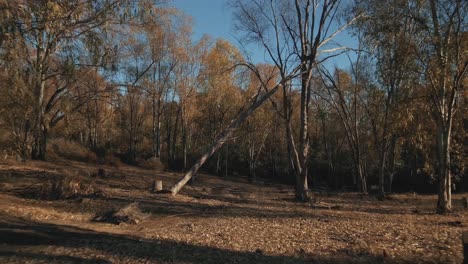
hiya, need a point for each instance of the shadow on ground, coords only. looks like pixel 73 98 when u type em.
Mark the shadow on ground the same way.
pixel 22 240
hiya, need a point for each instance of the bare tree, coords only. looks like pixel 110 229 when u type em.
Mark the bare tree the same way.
pixel 294 33
pixel 343 96
pixel 443 54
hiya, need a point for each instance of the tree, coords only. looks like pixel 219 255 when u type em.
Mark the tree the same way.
pixel 443 55
pixel 43 35
pixel 293 33
pixel 221 94
pixel 256 101
pixel 386 34
pixel 92 97
pixel 191 57
pixel 344 96
pixel 259 125
pixel 160 36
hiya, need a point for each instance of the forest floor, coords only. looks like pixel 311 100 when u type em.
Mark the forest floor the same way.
pixel 216 220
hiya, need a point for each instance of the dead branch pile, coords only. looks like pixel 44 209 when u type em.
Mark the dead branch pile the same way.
pixel 130 214
pixel 67 187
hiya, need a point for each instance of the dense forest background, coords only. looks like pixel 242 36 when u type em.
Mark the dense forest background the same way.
pixel 115 81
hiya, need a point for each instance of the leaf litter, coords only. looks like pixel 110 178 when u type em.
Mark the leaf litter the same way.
pixel 223 220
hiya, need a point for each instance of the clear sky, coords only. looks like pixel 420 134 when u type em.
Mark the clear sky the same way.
pixel 213 17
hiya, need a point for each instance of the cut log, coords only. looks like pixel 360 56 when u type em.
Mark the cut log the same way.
pixel 157 186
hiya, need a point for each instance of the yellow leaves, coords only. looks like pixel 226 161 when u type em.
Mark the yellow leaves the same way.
pixel 221 59
pixel 344 79
pixel 54 8
pixel 219 76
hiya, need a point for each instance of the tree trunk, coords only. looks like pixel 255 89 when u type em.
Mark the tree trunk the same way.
pixel 154 125
pixel 39 145
pixel 226 161
pixel 362 178
pixel 444 203
pixel 218 164
pixel 174 137
pixel 184 137
pixel 391 163
pixel 301 179
pixel 383 157
pixel 251 159
pixel 39 137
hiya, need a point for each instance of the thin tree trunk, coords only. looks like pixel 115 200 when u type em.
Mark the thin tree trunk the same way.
pixel 158 135
pixel 37 151
pixel 218 164
pixel 226 161
pixel 383 157
pixel 301 179
pixel 251 158
pixel 444 203
pixel 184 136
pixel 174 140
pixel 154 125
pixel 391 163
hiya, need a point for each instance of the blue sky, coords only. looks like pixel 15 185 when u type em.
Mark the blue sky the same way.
pixel 213 17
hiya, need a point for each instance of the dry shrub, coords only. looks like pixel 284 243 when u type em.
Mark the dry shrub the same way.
pixel 5 186
pixel 6 139
pixel 153 164
pixel 71 150
pixel 112 161
pixel 66 187
pixel 52 153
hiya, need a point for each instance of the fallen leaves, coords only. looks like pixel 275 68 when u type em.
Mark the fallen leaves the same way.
pixel 248 223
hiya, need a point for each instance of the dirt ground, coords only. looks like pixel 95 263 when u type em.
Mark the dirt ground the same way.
pixel 216 220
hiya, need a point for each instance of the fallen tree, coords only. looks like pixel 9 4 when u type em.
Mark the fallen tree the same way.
pixel 256 101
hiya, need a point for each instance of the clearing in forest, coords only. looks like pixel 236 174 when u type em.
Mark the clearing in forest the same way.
pixel 215 220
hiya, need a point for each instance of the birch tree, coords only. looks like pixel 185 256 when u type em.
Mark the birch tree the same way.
pixel 443 55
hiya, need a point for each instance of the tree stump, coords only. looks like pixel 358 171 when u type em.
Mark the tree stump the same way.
pixel 465 202
pixel 465 247
pixel 157 186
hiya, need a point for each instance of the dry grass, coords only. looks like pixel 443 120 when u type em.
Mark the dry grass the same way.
pixel 63 148
pixel 217 221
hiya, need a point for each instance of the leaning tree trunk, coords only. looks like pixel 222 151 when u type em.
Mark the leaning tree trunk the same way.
pixel 223 137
